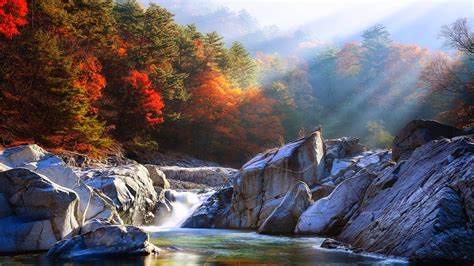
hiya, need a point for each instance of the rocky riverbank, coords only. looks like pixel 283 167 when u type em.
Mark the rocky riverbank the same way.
pixel 417 203
pixel 76 206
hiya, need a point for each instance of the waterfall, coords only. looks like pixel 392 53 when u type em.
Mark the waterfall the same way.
pixel 178 206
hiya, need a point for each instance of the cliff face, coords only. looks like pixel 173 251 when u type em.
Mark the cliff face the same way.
pixel 422 208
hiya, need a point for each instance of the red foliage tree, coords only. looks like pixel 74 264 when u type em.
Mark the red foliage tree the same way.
pixel 12 15
pixel 149 103
pixel 90 79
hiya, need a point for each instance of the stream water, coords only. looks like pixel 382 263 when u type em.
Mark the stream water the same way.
pixel 182 246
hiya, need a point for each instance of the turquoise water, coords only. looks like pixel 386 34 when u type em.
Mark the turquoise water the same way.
pixel 223 247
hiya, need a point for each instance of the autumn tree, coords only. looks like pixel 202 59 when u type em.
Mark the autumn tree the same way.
pixel 451 82
pixel 12 15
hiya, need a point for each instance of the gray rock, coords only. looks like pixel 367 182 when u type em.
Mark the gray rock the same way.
pixel 283 219
pixel 35 212
pixel 321 191
pixel 334 244
pixel 157 176
pixel 421 208
pixel 211 176
pixel 264 180
pixel 343 147
pixel 92 203
pixel 105 241
pixel 327 215
pixel 213 212
pixel 128 187
pixel 419 132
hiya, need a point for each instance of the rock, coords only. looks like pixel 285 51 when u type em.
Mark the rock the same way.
pixel 211 176
pixel 330 243
pixel 105 241
pixel 283 219
pixel 321 191
pixel 157 176
pixel 186 185
pixel 92 204
pixel 343 147
pixel 344 168
pixel 35 212
pixel 171 159
pixel 421 208
pixel 128 187
pixel 327 215
pixel 264 180
pixel 213 212
pixel 92 225
pixel 419 132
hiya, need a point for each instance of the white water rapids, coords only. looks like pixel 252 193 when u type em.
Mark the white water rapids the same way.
pixel 182 205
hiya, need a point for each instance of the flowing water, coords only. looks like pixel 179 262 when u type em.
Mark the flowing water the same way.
pixel 182 246
pixel 183 204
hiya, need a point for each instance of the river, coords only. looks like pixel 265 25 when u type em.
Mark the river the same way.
pixel 181 246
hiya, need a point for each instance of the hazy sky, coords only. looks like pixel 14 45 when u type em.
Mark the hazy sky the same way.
pixel 288 14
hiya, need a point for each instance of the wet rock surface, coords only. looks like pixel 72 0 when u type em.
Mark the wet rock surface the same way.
pixel 213 212
pixel 104 241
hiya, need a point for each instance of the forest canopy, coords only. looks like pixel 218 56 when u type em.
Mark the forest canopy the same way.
pixel 88 75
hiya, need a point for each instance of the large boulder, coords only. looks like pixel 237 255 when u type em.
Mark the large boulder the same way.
pixel 212 213
pixel 264 180
pixel 105 241
pixel 419 132
pixel 128 187
pixel 34 212
pixel 284 218
pixel 423 208
pixel 211 176
pixel 327 215
pixel 93 204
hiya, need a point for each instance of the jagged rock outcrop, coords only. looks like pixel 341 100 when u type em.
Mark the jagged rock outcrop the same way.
pixel 341 148
pixel 346 167
pixel 157 176
pixel 283 219
pixel 327 215
pixel 104 241
pixel 264 180
pixel 130 189
pixel 92 203
pixel 419 132
pixel 422 208
pixel 211 176
pixel 34 211
pixel 212 213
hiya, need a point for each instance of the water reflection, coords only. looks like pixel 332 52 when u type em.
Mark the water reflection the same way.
pixel 222 247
